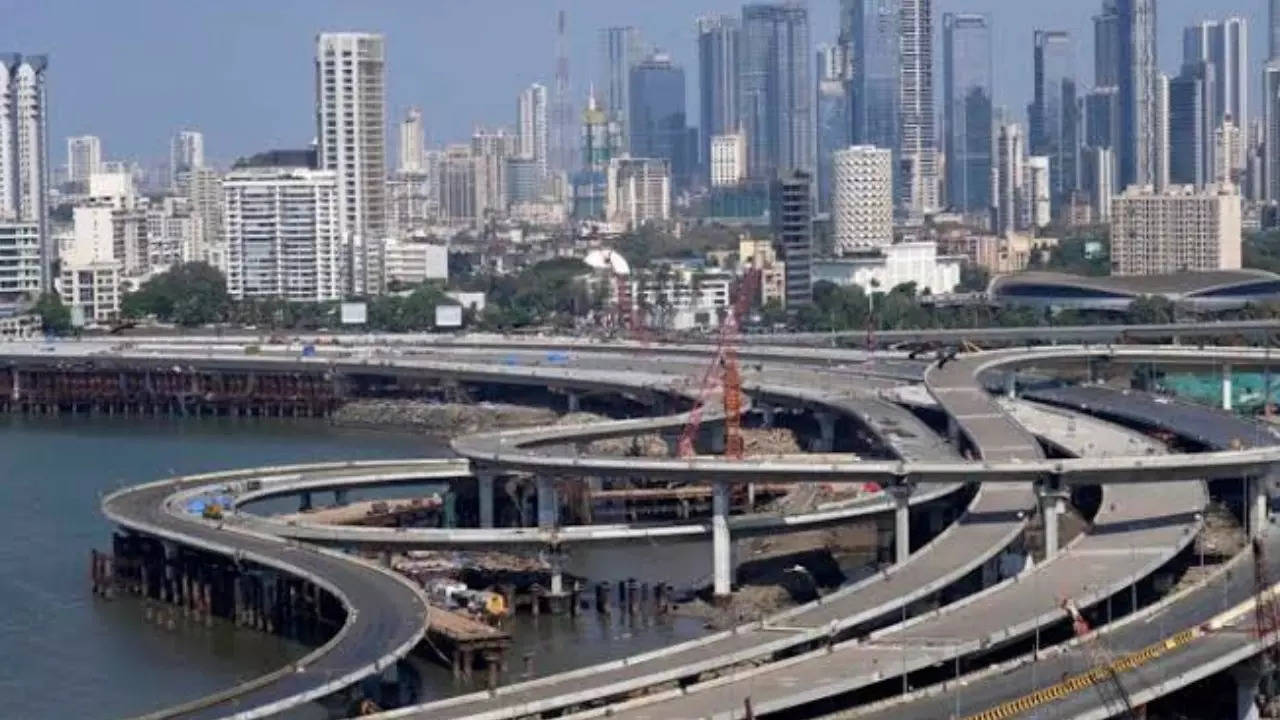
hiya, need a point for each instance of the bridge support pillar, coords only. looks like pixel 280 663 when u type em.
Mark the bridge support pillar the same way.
pixel 1247 677
pixel 573 401
pixel 1011 384
pixel 1226 386
pixel 826 441
pixel 484 495
pixel 768 416
pixel 304 501
pixel 1256 505
pixel 17 384
pixel 548 503
pixel 721 549
pixel 1051 506
pixel 901 522
pixel 340 496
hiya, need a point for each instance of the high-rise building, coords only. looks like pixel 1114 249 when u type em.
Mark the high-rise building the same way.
pixel 1125 50
pixel 792 217
pixel 718 38
pixel 1273 23
pixel 24 151
pixel 84 157
pixel 1102 117
pixel 1037 195
pixel 351 118
pixel 1225 45
pixel 186 153
pixel 531 125
pixel 283 237
pixel 728 160
pixel 862 199
pixel 1098 172
pixel 658 124
pixel 1009 178
pixel 490 151
pixel 1192 121
pixel 202 188
pixel 1178 230
pixel 1054 118
pixel 918 158
pixel 601 143
pixel 1227 142
pixel 620 50
pixel 20 270
pixel 870 38
pixel 639 191
pixel 458 186
pixel 775 88
pixel 967 90
pixel 412 143
pixel 560 146
pixel 1159 133
pixel 1271 129
pixel 833 118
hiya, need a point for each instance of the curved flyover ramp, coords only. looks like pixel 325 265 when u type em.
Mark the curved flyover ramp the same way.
pixel 385 614
pixel 980 622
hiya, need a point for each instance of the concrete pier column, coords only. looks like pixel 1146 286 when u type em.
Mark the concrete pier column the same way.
pixel 1256 502
pixel 574 401
pixel 556 559
pixel 826 432
pixel 1011 384
pixel 484 482
pixel 548 503
pixel 1226 386
pixel 1051 506
pixel 304 501
pixel 768 416
pixel 340 496
pixel 1247 677
pixel 721 549
pixel 17 385
pixel 901 522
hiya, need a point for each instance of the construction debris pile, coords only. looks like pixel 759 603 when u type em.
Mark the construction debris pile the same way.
pixel 448 419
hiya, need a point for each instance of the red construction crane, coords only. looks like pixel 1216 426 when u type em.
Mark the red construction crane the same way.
pixel 726 360
pixel 1100 657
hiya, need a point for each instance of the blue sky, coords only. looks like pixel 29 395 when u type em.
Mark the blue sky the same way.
pixel 136 71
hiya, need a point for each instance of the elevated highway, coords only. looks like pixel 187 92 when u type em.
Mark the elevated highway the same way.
pixel 1010 469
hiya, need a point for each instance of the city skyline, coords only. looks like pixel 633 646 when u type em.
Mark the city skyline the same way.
pixel 239 117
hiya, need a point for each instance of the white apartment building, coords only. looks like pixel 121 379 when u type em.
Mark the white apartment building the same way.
pixel 174 233
pixel 638 191
pixel 679 298
pixel 412 138
pixel 351 114
pixel 283 234
pixel 202 187
pixel 24 146
pixel 862 198
pixel 92 291
pixel 84 157
pixel 1009 183
pixel 413 261
pixel 728 159
pixel 1175 230
pixel 1037 209
pixel 907 262
pixel 531 126
pixel 19 261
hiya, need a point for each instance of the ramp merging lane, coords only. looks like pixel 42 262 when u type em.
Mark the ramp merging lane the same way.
pixel 1034 688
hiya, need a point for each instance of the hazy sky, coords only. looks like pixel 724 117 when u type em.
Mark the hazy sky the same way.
pixel 136 71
